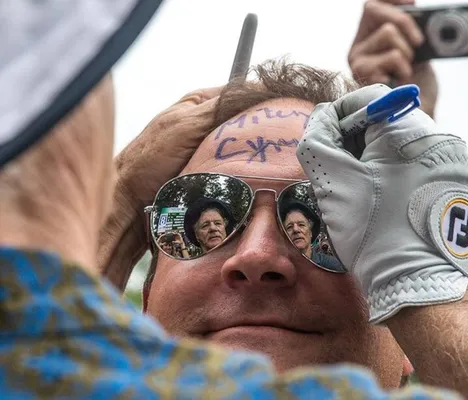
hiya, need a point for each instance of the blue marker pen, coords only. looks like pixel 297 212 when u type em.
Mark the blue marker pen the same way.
pixel 391 107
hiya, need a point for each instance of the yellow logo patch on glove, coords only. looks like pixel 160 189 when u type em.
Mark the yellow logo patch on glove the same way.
pixel 454 226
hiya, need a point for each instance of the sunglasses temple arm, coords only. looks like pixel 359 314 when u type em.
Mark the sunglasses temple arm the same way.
pixel 148 212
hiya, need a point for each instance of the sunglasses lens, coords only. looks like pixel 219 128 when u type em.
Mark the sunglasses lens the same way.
pixel 194 214
pixel 302 225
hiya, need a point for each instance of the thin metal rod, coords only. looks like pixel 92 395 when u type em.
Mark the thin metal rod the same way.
pixel 241 63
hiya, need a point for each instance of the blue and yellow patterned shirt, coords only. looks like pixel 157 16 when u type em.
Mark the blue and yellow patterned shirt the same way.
pixel 65 334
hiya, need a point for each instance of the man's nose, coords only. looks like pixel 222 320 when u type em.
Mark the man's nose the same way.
pixel 261 257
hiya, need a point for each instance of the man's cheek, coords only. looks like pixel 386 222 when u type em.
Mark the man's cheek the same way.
pixel 349 291
pixel 183 285
pixel 171 305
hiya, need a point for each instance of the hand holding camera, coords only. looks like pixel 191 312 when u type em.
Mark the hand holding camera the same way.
pixel 384 50
pixel 445 29
pixel 178 242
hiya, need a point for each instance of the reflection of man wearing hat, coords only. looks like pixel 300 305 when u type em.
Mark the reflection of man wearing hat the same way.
pixel 208 222
pixel 302 225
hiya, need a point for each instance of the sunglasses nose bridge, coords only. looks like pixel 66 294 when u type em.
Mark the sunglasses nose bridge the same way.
pixel 260 190
pixel 254 196
pixel 265 190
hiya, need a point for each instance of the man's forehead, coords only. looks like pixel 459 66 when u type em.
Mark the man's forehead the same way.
pixel 295 213
pixel 210 213
pixel 259 139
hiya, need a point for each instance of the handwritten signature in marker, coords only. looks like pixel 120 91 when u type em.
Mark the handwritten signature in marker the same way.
pixel 254 149
pixel 264 114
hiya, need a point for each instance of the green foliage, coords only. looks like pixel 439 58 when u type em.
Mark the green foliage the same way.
pixel 135 283
pixel 413 379
pixel 134 296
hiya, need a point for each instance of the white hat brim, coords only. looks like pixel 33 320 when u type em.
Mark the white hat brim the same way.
pixel 52 54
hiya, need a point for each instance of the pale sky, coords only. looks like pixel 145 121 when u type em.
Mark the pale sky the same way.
pixel 191 44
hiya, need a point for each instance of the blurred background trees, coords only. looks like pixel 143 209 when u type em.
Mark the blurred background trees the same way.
pixel 135 283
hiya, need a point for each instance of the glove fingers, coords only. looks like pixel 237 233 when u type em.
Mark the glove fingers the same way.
pixel 328 115
pixel 331 170
pixel 321 151
pixel 336 176
pixel 386 140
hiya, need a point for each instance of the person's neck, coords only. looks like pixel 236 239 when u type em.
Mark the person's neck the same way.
pixel 51 227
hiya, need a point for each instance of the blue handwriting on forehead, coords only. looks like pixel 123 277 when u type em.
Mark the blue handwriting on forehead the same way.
pixel 262 114
pixel 253 149
pixel 256 150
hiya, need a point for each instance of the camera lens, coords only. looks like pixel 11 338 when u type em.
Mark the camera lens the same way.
pixel 448 34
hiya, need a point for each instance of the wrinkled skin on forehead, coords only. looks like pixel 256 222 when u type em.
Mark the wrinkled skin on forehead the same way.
pixel 257 292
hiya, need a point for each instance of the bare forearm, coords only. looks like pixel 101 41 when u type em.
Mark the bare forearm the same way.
pixel 424 76
pixel 435 339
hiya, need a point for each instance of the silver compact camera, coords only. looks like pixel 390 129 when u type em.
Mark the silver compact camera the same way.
pixel 445 29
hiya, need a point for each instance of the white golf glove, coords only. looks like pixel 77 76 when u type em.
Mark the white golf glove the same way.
pixel 397 217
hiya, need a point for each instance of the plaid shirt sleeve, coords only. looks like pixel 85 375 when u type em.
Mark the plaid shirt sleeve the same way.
pixel 66 334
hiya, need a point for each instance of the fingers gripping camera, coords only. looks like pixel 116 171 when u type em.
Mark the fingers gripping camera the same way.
pixel 445 29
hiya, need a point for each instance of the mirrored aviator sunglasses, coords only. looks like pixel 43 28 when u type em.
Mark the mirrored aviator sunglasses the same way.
pixel 196 213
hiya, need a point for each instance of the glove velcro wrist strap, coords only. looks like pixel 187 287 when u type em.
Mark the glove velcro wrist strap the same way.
pixel 416 289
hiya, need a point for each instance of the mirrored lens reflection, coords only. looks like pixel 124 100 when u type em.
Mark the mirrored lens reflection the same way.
pixel 302 225
pixel 196 213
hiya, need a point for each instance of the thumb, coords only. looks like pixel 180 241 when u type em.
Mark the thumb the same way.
pixel 328 115
pixel 323 134
pixel 347 105
pixel 354 101
pixel 321 152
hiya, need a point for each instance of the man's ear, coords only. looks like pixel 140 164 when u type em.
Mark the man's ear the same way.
pixel 408 370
